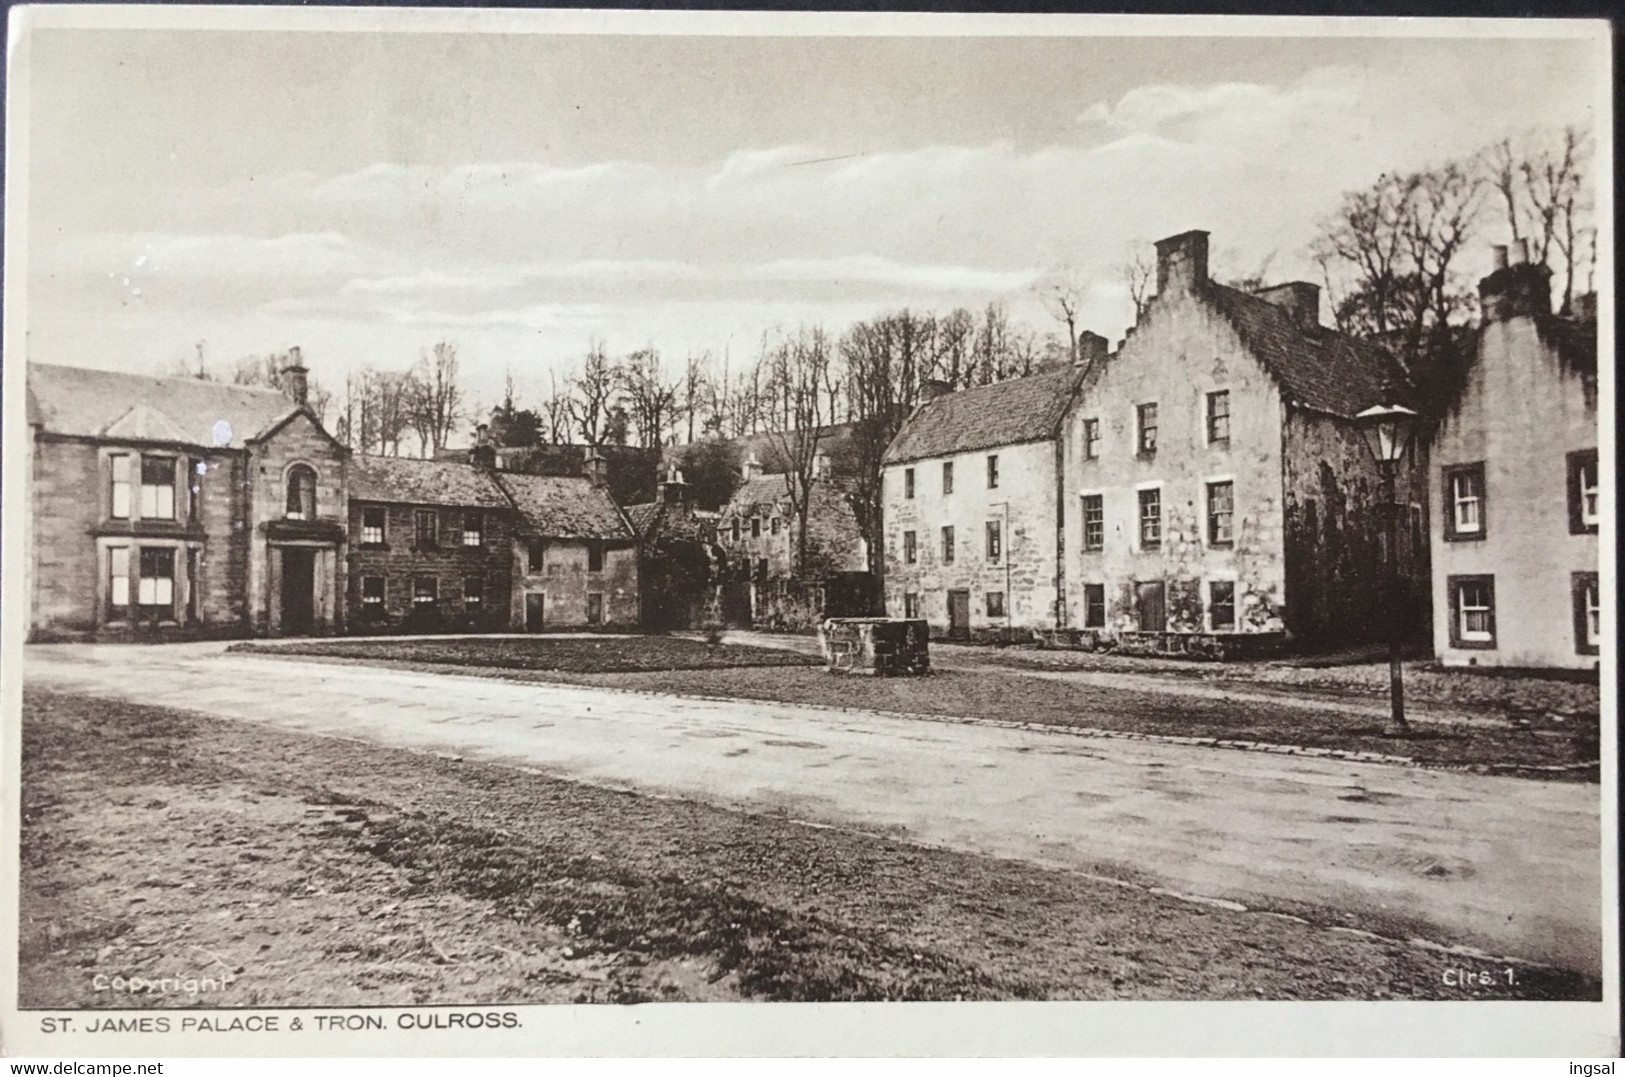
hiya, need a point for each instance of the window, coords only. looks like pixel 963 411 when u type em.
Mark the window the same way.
pixel 1150 519
pixel 1094 521
pixel 158 487
pixel 1091 439
pixel 995 542
pixel 155 593
pixel 372 525
pixel 947 476
pixel 761 568
pixel 992 472
pixel 1583 492
pixel 755 527
pixel 473 593
pixel 595 608
pixel 1587 613
pixel 736 530
pixel 908 482
pixel 118 583
pixel 1472 611
pixel 911 554
pixel 1464 502
pixel 1221 509
pixel 473 529
pixel 372 595
pixel 595 557
pixel 535 552
pixel 194 590
pixel 425 592
pixel 911 604
pixel 1094 605
pixel 428 528
pixel 947 545
pixel 773 526
pixel 1221 605
pixel 301 503
pixel 121 485
pixel 1147 423
pixel 995 603
pixel 1218 416
pixel 196 469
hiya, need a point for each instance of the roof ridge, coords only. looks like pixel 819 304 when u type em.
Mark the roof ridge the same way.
pixel 184 379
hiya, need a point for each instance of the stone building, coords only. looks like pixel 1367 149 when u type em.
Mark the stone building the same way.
pixel 1218 491
pixel 680 565
pixel 971 490
pixel 432 546
pixel 759 531
pixel 179 507
pixel 576 558
pixel 1515 488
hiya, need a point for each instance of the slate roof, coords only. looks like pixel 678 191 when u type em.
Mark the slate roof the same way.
pixel 1004 413
pixel 407 481
pixel 658 520
pixel 761 490
pixel 559 507
pixel 79 402
pixel 1316 367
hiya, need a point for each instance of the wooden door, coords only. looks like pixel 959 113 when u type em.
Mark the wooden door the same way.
pixel 533 610
pixel 959 614
pixel 1151 601
pixel 298 590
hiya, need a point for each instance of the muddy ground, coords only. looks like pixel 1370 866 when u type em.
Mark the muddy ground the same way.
pixel 289 869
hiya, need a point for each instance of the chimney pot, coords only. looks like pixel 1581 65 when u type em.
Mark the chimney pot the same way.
pixel 1298 298
pixel 1181 262
pixel 751 468
pixel 1522 289
pixel 931 388
pixel 1498 256
pixel 297 385
pixel 1092 348
pixel 1520 252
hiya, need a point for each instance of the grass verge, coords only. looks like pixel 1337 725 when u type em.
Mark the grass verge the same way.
pixel 620 654
pixel 321 872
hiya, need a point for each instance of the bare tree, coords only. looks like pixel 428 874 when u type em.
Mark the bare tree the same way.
pixel 555 412
pixel 1063 295
pixel 695 383
pixel 1139 273
pixel 436 401
pixel 650 398
pixel 1545 189
pixel 799 370
pixel 592 395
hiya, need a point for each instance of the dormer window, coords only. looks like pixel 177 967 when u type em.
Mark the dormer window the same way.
pixel 301 493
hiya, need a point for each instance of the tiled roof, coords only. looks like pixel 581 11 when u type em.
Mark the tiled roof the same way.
pixel 760 490
pixel 80 402
pixel 404 480
pixel 1004 413
pixel 1316 367
pixel 557 507
pixel 657 520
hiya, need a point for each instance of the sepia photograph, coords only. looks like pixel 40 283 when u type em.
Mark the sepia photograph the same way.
pixel 521 514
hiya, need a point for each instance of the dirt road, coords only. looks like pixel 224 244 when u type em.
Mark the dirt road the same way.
pixel 1505 864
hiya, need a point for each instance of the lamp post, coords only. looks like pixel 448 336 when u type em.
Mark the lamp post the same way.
pixel 1388 429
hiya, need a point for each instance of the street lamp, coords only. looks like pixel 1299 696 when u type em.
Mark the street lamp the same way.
pixel 1388 429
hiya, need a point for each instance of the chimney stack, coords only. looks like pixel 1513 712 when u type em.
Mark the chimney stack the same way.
pixel 1092 348
pixel 298 383
pixel 821 465
pixel 1181 263
pixel 751 468
pixel 672 490
pixel 1298 298
pixel 931 388
pixel 483 455
pixel 1520 290
pixel 1498 257
pixel 1519 253
pixel 595 468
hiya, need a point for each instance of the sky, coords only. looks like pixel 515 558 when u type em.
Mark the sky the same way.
pixel 366 194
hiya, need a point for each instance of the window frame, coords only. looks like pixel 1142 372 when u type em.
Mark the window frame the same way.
pixel 299 492
pixel 988 605
pixel 948 544
pixel 911 548
pixel 418 530
pixel 422 597
pixel 1143 445
pixel 1453 531
pixel 947 478
pixel 165 610
pixel 1587 594
pixel 1458 637
pixel 382 529
pixel 477 519
pixel 1097 502
pixel 755 527
pixel 911 605
pixel 1090 438
pixel 118 607
pixel 595 557
pixel 120 462
pixel 369 604
pixel 993 541
pixel 1140 499
pixel 1094 598
pixel 1578 462
pixel 157 460
pixel 595 607
pixel 993 471
pixel 477 595
pixel 1214 418
pixel 1213 604
pixel 1212 516
pixel 908 484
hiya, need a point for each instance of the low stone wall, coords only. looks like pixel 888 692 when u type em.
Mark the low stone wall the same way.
pixel 875 646
pixel 1215 646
